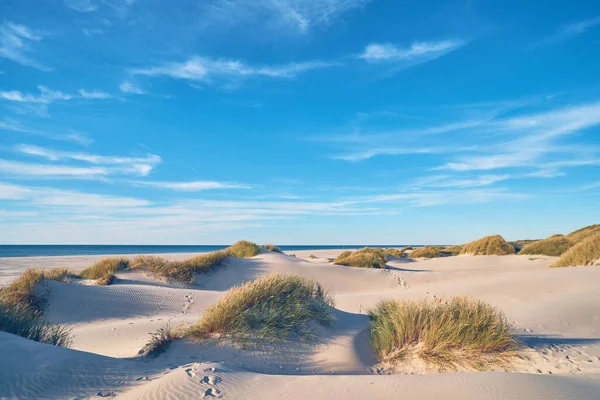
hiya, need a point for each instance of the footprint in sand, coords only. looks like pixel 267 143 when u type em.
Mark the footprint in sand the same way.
pixel 211 380
pixel 212 392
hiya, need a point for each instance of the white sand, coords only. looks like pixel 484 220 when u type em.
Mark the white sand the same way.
pixel 556 312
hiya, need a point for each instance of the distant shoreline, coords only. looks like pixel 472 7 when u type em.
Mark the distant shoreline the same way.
pixel 28 250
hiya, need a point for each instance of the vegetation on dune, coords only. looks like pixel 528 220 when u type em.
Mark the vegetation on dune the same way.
pixel 394 252
pixel 519 244
pixel 426 252
pixel 460 331
pixel 452 250
pixel 272 247
pixel 581 234
pixel 269 309
pixel 159 342
pixel 364 258
pixel 243 249
pixel 27 322
pixel 104 270
pixel 555 245
pixel 584 253
pixel 23 291
pixel 494 245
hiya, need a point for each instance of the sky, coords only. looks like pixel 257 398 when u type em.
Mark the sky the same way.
pixel 297 121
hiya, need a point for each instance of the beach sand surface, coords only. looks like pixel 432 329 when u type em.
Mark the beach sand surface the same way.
pixel 555 313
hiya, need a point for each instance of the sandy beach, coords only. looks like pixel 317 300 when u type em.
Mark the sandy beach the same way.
pixel 555 312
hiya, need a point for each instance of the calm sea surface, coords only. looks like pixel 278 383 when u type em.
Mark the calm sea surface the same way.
pixel 27 250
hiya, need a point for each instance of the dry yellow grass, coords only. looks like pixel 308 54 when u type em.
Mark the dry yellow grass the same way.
pixel 426 252
pixel 584 253
pixel 460 331
pixel 583 233
pixel 270 309
pixel 555 245
pixel 22 291
pixel 494 245
pixel 364 258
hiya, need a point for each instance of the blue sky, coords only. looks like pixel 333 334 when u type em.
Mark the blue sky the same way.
pixel 297 121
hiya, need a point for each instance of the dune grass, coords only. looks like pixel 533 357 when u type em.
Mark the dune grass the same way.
pixel 460 331
pixel 493 245
pixel 159 342
pixel 555 245
pixel 272 247
pixel 23 291
pixel 270 309
pixel 452 250
pixel 584 253
pixel 581 234
pixel 364 258
pixel 394 253
pixel 104 270
pixel 426 252
pixel 29 323
pixel 243 249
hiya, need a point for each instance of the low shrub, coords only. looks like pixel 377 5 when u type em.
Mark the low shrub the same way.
pixel 493 245
pixel 555 245
pixel 364 258
pixel 446 333
pixel 269 309
pixel 584 253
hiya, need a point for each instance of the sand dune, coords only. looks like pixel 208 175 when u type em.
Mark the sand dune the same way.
pixel 555 312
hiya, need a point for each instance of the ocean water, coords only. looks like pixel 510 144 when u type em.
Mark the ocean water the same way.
pixel 30 250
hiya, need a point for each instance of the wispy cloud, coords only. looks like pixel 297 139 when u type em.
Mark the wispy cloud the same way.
pixel 193 186
pixel 570 30
pixel 417 52
pixel 83 6
pixel 16 44
pixel 75 137
pixel 126 165
pixel 291 16
pixel 208 70
pixel 130 88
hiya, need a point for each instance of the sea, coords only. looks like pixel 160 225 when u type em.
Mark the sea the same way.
pixel 32 250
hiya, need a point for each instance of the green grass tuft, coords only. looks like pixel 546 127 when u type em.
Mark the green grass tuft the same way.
pixel 426 252
pixel 270 309
pixel 584 253
pixel 494 245
pixel 460 331
pixel 272 247
pixel 555 245
pixel 27 322
pixel 364 258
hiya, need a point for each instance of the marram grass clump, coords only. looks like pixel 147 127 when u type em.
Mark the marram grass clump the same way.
pixel 272 247
pixel 494 245
pixel 23 291
pixel 584 253
pixel 27 322
pixel 426 252
pixel 555 245
pixel 364 258
pixel 104 270
pixel 581 234
pixel 270 309
pixel 459 331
